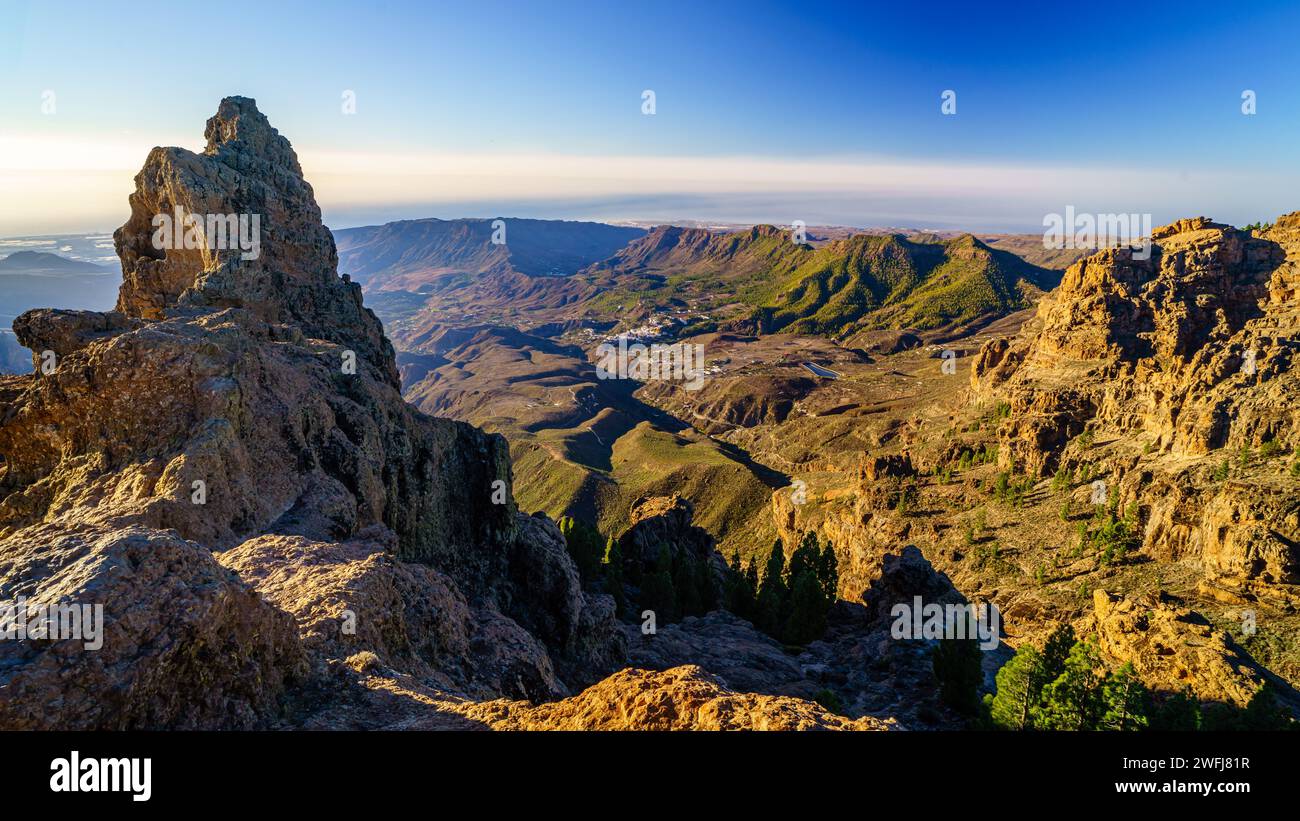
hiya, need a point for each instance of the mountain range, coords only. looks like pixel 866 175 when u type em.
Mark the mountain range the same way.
pixel 430 273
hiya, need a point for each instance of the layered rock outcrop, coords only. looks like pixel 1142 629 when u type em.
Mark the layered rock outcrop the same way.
pixel 1158 345
pixel 1173 378
pixel 682 698
pixel 1172 648
pixel 247 169
pixel 184 643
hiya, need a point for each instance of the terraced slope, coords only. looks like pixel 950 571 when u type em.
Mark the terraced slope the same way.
pixel 580 445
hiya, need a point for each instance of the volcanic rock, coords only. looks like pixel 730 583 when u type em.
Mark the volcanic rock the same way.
pixel 1184 364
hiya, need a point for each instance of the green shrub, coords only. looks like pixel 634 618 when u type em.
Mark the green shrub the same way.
pixel 1222 471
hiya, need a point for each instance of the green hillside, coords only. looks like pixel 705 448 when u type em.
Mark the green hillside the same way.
pixel 762 281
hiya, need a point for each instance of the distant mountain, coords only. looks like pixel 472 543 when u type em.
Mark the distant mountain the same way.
pixel 1031 249
pixel 430 255
pixel 36 279
pixel 759 280
pixel 697 250
pixel 874 283
pixel 41 262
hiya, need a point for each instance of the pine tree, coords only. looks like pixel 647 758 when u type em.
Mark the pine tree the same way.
pixel 566 524
pixel 1019 684
pixel 657 590
pixel 772 593
pixel 1217 717
pixel 750 600
pixel 1125 700
pixel 957 666
pixel 1178 712
pixel 806 557
pixel 687 585
pixel 1055 651
pixel 633 571
pixel 1073 701
pixel 613 569
pixel 706 579
pixel 808 606
pixel 828 572
pixel 1263 712
pixel 735 588
pixel 585 547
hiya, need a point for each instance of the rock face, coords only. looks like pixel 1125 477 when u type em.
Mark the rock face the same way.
pixel 1171 648
pixel 250 406
pixel 355 597
pixel 185 643
pixel 725 646
pixel 683 698
pixel 249 169
pixel 1183 365
pixel 1157 345
pixel 862 531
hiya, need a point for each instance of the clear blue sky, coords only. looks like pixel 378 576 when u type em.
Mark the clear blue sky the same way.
pixel 1040 86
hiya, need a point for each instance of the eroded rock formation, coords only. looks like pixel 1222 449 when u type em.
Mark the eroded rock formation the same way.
pixel 683 698
pixel 1172 648
pixel 1183 366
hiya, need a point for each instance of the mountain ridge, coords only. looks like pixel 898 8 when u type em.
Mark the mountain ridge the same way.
pixel 46 262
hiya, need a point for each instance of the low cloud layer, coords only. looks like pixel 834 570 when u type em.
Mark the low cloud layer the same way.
pixel 58 185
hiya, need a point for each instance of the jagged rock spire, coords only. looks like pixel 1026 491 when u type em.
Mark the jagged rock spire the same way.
pixel 257 241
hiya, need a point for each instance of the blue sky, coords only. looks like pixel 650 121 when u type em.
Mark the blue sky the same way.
pixel 801 111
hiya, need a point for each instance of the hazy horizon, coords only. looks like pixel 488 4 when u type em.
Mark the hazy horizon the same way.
pixel 615 211
pixel 834 116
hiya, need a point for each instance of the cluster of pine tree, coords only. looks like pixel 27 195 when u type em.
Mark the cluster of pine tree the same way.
pixel 599 560
pixel 957 667
pixel 789 603
pixel 677 586
pixel 1113 537
pixel 1065 687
